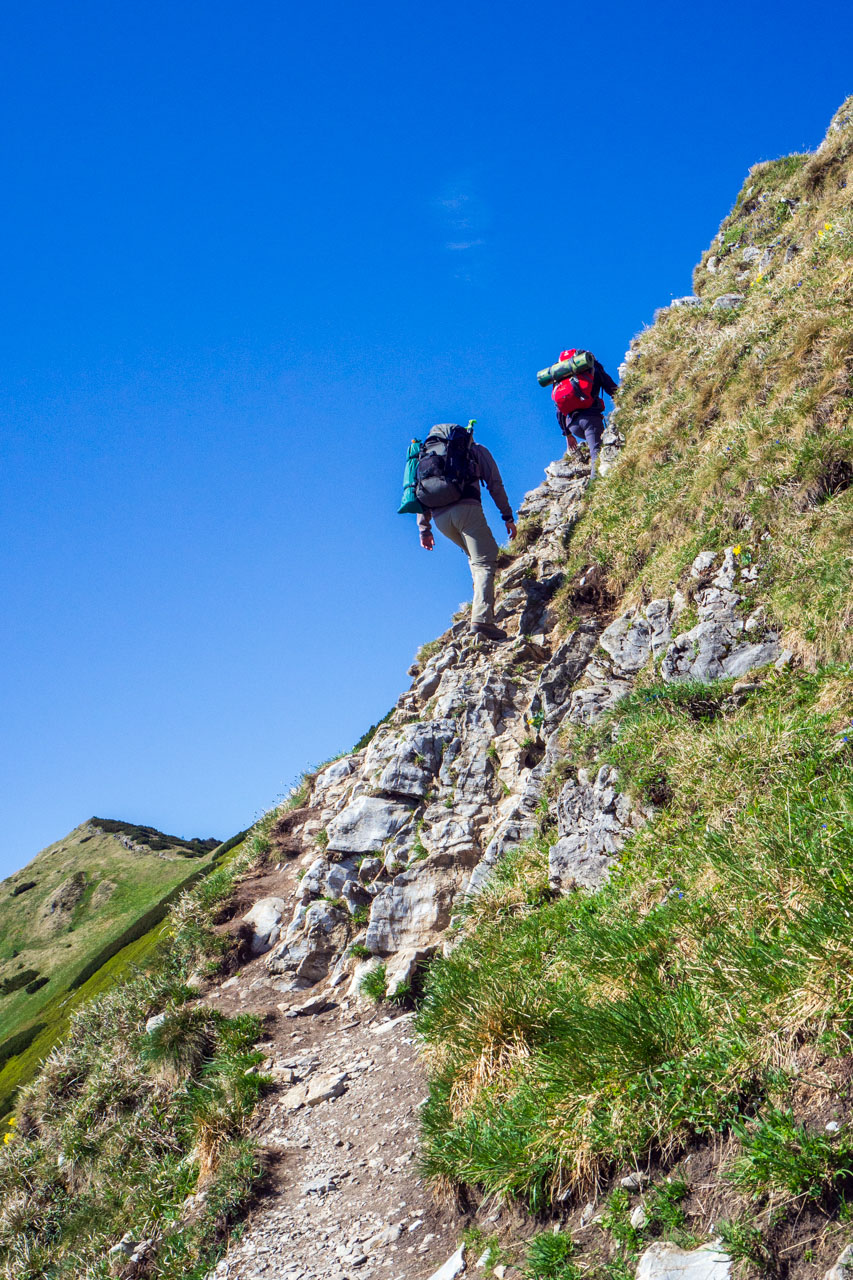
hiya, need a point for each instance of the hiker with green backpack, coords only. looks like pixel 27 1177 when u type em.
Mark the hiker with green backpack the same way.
pixel 442 483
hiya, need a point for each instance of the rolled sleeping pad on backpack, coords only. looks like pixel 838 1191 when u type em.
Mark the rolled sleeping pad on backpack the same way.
pixel 580 362
pixel 410 505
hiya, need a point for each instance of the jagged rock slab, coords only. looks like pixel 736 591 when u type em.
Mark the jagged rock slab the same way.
pixel 410 913
pixel 365 824
pixel 842 1268
pixel 594 820
pixel 452 1268
pixel 665 1261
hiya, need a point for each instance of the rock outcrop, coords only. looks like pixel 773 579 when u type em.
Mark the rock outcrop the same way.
pixel 393 836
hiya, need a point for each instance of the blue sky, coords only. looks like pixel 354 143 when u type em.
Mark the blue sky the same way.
pixel 250 250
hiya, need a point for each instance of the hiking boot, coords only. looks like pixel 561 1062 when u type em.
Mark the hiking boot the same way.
pixel 488 630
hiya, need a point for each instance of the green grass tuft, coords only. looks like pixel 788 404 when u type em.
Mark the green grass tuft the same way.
pixel 374 984
pixel 549 1257
pixel 780 1155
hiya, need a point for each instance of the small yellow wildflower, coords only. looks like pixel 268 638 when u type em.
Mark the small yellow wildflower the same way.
pixel 827 226
pixel 736 550
pixel 7 1137
pixel 13 1120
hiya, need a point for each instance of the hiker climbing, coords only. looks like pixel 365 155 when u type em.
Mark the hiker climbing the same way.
pixel 442 483
pixel 578 380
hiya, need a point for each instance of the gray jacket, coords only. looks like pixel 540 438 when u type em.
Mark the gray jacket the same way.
pixel 485 470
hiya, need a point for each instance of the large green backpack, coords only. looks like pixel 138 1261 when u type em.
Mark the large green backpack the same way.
pixel 410 505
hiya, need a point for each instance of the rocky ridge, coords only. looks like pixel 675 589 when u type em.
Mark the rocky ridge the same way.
pixel 392 837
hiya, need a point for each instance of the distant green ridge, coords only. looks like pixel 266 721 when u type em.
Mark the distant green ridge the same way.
pixel 84 911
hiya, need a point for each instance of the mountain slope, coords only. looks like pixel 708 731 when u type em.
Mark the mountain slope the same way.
pixel 612 860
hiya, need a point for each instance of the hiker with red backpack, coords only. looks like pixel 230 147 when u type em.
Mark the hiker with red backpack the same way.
pixel 442 483
pixel 578 381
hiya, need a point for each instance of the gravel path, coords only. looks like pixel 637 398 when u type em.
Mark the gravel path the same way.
pixel 344 1200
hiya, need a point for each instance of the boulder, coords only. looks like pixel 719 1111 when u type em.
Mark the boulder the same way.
pixel 264 919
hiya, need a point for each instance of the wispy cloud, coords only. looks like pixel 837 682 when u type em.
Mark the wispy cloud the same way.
pixel 465 218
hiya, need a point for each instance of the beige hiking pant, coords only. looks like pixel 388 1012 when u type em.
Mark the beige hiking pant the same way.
pixel 466 525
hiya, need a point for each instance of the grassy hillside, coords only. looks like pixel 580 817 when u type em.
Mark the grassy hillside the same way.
pixel 701 1005
pixel 738 418
pixel 123 1124
pixel 98 892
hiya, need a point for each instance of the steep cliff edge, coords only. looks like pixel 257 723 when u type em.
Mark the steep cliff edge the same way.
pixel 610 859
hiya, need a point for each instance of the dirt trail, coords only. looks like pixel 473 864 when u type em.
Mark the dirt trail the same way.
pixel 343 1199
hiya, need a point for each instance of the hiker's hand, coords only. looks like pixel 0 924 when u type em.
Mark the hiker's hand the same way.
pixel 571 442
pixel 511 529
pixel 427 541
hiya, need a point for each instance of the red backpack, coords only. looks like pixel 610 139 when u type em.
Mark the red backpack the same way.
pixel 575 392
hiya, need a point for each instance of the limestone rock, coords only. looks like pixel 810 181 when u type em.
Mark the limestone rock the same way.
pixel 334 774
pixel 401 968
pixel 318 936
pixel 365 824
pixel 727 301
pixel 264 918
pixel 417 758
pixel 665 1261
pixel 842 1268
pixel 452 1268
pixel 318 1089
pixel 562 672
pixel 593 820
pixel 702 563
pixel 409 913
pixel 636 636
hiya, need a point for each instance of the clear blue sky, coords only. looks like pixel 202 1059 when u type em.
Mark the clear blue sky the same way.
pixel 249 251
